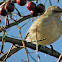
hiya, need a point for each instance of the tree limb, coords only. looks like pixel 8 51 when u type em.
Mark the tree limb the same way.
pixel 16 22
pixel 13 50
pixel 30 45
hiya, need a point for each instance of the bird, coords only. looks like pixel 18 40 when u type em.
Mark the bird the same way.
pixel 48 25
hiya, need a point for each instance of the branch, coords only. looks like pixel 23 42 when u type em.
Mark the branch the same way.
pixel 16 22
pixel 57 1
pixel 13 50
pixel 30 45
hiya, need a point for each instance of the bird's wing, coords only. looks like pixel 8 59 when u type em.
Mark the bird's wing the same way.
pixel 33 25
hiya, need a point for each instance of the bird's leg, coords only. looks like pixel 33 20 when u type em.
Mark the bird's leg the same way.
pixel 51 48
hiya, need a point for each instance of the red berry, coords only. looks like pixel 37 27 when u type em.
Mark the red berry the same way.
pixel 21 2
pixel 9 7
pixel 31 6
pixel 3 12
pixel 40 8
pixel 34 13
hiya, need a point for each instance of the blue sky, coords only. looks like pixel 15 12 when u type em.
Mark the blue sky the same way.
pixel 13 31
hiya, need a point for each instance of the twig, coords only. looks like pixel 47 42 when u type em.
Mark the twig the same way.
pixel 59 59
pixel 18 12
pixel 23 60
pixel 3 3
pixel 23 43
pixel 8 53
pixel 25 24
pixel 37 47
pixel 36 1
pixel 31 56
pixel 57 1
pixel 20 27
pixel 22 40
pixel 5 21
pixel 50 2
pixel 45 2
pixel 17 22
pixel 31 52
pixel 13 36
pixel 3 40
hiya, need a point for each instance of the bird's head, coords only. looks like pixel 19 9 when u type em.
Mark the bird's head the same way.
pixel 55 10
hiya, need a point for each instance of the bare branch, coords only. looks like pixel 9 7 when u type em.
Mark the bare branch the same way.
pixel 50 2
pixel 37 47
pixel 30 45
pixel 16 22
pixel 57 1
pixel 8 53
pixel 59 59
pixel 13 50
pixel 23 42
pixel 45 2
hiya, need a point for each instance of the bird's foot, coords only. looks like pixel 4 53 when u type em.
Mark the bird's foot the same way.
pixel 52 48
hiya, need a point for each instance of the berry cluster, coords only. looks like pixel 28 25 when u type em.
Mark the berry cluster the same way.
pixel 34 10
pixel 7 7
pixel 31 6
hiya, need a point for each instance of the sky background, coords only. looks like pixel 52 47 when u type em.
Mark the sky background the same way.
pixel 13 32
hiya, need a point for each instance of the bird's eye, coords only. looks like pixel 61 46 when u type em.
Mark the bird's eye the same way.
pixel 55 11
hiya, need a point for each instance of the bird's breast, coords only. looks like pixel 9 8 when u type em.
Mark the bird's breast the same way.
pixel 50 30
pixel 46 28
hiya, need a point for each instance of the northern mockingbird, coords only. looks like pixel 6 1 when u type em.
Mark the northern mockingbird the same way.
pixel 48 25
